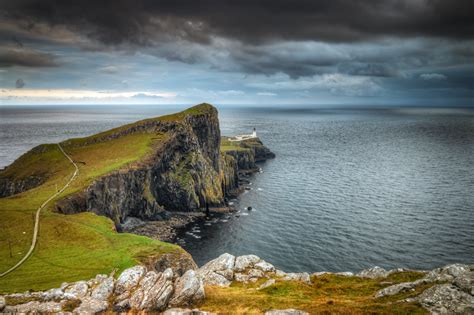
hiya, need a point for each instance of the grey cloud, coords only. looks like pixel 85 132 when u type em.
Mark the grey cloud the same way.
pixel 432 76
pixel 369 69
pixel 109 70
pixel 146 96
pixel 19 83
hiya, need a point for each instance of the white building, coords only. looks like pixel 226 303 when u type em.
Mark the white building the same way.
pixel 244 137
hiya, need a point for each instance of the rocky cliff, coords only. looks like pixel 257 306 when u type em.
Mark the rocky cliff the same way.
pixel 185 171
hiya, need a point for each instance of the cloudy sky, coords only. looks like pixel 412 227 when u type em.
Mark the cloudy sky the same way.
pixel 400 52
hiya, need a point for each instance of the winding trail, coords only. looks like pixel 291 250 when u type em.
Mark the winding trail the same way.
pixel 38 211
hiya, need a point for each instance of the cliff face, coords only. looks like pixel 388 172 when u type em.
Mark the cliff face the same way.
pixel 10 186
pixel 187 172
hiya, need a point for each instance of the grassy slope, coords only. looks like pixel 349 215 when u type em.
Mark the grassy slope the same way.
pixel 227 145
pixel 328 294
pixel 72 247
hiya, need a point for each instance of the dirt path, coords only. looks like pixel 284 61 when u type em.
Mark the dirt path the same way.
pixel 38 211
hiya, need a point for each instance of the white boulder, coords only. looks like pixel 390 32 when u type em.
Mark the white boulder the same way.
pixel 218 271
pixel 129 279
pixel 298 276
pixel 189 289
pixel 245 262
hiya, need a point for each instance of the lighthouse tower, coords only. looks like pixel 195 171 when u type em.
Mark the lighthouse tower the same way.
pixel 254 133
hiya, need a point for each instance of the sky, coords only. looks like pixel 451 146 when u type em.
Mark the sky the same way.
pixel 386 52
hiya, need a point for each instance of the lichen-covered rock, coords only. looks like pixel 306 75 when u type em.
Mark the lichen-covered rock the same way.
pixel 264 266
pixel 400 287
pixel 189 289
pixel 2 303
pixel 289 311
pixel 374 272
pixel 34 307
pixel 245 262
pixel 446 299
pixel 153 292
pixel 465 282
pixel 104 289
pixel 77 289
pixel 280 273
pixel 129 279
pixel 90 305
pixel 298 276
pixel 218 271
pixel 179 262
pixel 448 273
pixel 251 275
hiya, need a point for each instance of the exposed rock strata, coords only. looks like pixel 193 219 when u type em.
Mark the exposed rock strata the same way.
pixel 9 186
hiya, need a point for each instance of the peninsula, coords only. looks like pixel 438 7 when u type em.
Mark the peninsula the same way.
pixel 67 209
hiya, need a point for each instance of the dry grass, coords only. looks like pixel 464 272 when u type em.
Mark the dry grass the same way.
pixel 328 294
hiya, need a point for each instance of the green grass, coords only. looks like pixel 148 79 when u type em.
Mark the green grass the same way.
pixel 74 247
pixel 328 294
pixel 227 145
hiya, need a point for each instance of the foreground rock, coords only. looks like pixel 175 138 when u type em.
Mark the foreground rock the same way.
pixel 447 290
pixel 189 290
pixel 135 289
pixel 446 299
pixel 452 292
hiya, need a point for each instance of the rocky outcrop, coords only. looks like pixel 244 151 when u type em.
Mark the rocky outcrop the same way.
pixel 447 290
pixel 248 152
pixel 374 272
pixel 10 186
pixel 451 293
pixel 186 172
pixel 219 271
pixel 227 268
pixel 136 289
pixel 189 290
pixel 182 174
pixel 19 176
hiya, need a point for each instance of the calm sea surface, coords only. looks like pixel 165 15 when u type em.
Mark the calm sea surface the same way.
pixel 349 188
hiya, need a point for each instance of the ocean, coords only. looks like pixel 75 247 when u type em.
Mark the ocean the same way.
pixel 349 188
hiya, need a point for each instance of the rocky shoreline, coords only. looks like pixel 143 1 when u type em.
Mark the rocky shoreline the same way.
pixel 449 290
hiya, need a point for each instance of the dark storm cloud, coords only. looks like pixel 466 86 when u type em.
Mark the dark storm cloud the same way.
pixel 26 58
pixel 142 22
pixel 300 38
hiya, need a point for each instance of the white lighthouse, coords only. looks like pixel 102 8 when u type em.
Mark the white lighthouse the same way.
pixel 245 137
